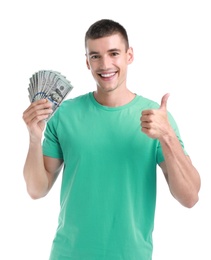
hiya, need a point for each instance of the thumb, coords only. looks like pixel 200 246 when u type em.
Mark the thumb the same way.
pixel 163 104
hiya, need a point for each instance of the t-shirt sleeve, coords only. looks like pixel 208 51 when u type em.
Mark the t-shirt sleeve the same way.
pixel 51 146
pixel 160 156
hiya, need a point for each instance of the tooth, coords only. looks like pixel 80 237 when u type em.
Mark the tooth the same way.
pixel 107 75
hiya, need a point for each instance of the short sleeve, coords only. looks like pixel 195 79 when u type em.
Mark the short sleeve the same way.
pixel 160 156
pixel 51 146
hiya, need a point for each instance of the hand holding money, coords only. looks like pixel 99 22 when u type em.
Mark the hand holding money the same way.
pixel 51 85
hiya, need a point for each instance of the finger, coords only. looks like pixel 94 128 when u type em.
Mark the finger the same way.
pixel 148 112
pixel 38 102
pixel 146 125
pixel 37 109
pixel 146 118
pixel 36 116
pixel 164 100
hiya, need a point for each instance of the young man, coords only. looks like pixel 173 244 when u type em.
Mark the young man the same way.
pixel 110 142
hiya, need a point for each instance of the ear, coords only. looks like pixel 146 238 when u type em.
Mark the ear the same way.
pixel 87 63
pixel 130 55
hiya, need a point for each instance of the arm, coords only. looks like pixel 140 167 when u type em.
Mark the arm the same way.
pixel 40 172
pixel 182 177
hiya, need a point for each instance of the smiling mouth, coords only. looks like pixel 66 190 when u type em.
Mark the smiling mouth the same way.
pixel 107 75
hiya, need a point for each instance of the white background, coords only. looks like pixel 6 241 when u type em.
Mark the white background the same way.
pixel 172 46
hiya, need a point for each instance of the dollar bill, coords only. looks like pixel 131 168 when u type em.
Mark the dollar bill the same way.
pixel 51 85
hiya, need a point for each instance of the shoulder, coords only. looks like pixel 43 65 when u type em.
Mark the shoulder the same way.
pixel 79 100
pixel 79 103
pixel 71 106
pixel 146 103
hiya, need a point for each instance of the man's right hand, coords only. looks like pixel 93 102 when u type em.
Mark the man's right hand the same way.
pixel 34 117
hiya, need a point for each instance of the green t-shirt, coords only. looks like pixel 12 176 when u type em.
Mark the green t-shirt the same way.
pixel 108 191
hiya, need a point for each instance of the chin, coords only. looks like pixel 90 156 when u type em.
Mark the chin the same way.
pixel 108 89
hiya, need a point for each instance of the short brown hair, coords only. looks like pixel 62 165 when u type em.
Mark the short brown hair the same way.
pixel 104 28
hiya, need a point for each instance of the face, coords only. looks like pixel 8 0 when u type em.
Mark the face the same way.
pixel 56 97
pixel 107 58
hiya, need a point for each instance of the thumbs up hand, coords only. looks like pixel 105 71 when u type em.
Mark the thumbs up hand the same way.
pixel 154 122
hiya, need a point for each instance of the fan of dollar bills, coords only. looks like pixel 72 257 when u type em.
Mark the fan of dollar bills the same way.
pixel 51 85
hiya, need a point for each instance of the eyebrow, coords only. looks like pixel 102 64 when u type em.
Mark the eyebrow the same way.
pixel 111 50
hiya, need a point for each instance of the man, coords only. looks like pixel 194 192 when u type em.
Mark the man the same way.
pixel 110 143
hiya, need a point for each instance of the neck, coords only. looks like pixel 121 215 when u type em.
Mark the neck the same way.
pixel 113 98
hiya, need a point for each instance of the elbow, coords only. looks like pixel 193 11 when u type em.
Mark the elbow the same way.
pixel 35 194
pixel 36 189
pixel 191 202
pixel 188 200
pixel 193 197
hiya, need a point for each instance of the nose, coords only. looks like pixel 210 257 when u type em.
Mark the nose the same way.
pixel 105 62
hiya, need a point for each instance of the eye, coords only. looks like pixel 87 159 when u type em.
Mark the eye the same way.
pixel 94 57
pixel 114 54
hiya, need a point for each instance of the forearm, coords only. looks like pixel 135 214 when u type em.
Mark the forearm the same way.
pixel 35 175
pixel 182 177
